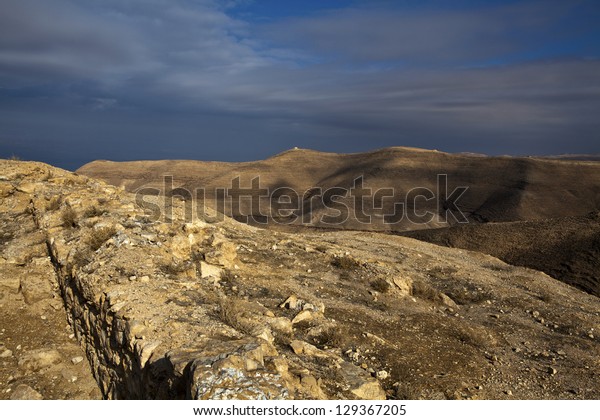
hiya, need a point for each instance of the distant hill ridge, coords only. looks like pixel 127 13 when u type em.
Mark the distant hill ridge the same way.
pixel 500 189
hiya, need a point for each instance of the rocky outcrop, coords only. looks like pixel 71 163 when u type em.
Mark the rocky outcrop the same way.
pixel 194 309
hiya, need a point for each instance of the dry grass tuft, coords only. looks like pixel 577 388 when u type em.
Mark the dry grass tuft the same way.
pixel 174 268
pixel 345 262
pixel 69 218
pixel 380 285
pixel 93 212
pixel 227 276
pixel 231 312
pixel 6 237
pixel 331 337
pixel 54 203
pixel 99 236
pixel 82 258
pixel 424 291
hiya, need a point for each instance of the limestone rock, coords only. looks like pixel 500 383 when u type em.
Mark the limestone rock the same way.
pixel 135 330
pixel 360 383
pixel 221 252
pixel 403 285
pixel 10 278
pixel 25 392
pixel 382 375
pixel 312 386
pixel 35 360
pixel 232 370
pixel 281 325
pixel 181 247
pixel 5 190
pixel 5 353
pixel 446 300
pixel 302 347
pixel 290 303
pixel 27 187
pixel 297 346
pixel 306 315
pixel 196 226
pixel 145 350
pixel 210 271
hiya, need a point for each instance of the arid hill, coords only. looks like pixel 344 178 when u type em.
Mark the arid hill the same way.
pixel 500 189
pixel 588 158
pixel 552 195
pixel 210 309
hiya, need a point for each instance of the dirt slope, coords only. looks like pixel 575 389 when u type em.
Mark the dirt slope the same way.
pixel 566 248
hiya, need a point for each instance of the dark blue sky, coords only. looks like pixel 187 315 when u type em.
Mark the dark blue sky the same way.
pixel 241 80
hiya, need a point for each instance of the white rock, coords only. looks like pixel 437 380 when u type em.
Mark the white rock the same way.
pixel 290 303
pixel 77 360
pixel 4 353
pixel 382 374
pixel 208 270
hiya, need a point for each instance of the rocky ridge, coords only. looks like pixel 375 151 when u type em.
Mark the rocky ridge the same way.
pixel 194 309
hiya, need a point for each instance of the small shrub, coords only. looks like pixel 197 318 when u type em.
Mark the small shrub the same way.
pixel 231 312
pixel 329 337
pixel 93 212
pixel 380 285
pixel 497 267
pixel 175 268
pixel 69 218
pixel 54 203
pixel 14 157
pixel 546 297
pixel 442 273
pixel 82 258
pixel 475 336
pixel 227 276
pixel 6 237
pixel 424 291
pixel 99 236
pixel 345 262
pixel 465 296
pixel 409 391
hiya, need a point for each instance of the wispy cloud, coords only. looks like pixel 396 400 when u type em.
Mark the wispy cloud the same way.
pixel 423 36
